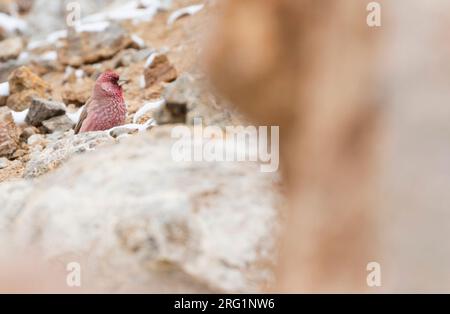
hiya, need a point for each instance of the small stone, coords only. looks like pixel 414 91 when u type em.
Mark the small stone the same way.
pixel 9 133
pixel 41 110
pixel 24 85
pixel 78 91
pixel 10 48
pixel 161 70
pixel 58 124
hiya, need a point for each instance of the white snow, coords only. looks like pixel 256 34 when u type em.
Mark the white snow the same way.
pixel 75 116
pixel 94 27
pixel 138 40
pixel 4 89
pixel 19 116
pixel 12 24
pixel 150 59
pixel 128 11
pixel 142 81
pixel 50 39
pixel 79 73
pixel 49 56
pixel 148 106
pixel 190 10
pixel 134 126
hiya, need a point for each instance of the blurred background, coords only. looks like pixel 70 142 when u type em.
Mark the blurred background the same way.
pixel 363 119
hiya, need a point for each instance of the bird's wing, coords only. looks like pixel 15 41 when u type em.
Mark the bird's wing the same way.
pixel 83 116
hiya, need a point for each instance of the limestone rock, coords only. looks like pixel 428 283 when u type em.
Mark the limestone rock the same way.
pixel 42 109
pixel 9 133
pixel 58 124
pixel 24 85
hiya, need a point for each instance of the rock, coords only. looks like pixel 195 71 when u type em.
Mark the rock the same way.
pixel 28 132
pixel 137 220
pixel 9 133
pixel 90 47
pixel 24 85
pixel 58 124
pixel 42 109
pixel 59 149
pixel 160 70
pixel 10 48
pixel 78 91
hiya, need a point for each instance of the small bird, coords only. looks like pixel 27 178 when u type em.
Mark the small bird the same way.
pixel 106 107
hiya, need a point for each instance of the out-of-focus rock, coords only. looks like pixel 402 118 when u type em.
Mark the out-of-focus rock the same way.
pixel 160 70
pixel 90 47
pixel 188 98
pixel 24 85
pixel 78 91
pixel 10 48
pixel 24 6
pixel 58 124
pixel 61 148
pixel 120 215
pixel 9 133
pixel 42 109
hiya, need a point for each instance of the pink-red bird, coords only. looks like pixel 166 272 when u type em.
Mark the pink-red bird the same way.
pixel 106 107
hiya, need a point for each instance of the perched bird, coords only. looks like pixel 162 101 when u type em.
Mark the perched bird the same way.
pixel 106 107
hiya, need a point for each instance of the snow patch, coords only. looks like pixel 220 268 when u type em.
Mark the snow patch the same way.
pixel 190 10
pixel 19 116
pixel 12 24
pixel 148 106
pixel 4 89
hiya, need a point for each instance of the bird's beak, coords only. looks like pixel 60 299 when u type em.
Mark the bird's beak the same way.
pixel 122 82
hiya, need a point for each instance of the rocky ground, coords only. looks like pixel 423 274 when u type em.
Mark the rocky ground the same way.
pixel 128 209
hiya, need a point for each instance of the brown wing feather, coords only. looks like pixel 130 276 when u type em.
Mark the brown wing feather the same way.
pixel 83 117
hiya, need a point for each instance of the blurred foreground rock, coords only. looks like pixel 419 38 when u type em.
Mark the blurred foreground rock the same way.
pixel 138 221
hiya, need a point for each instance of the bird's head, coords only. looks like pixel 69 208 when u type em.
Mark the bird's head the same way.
pixel 110 83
